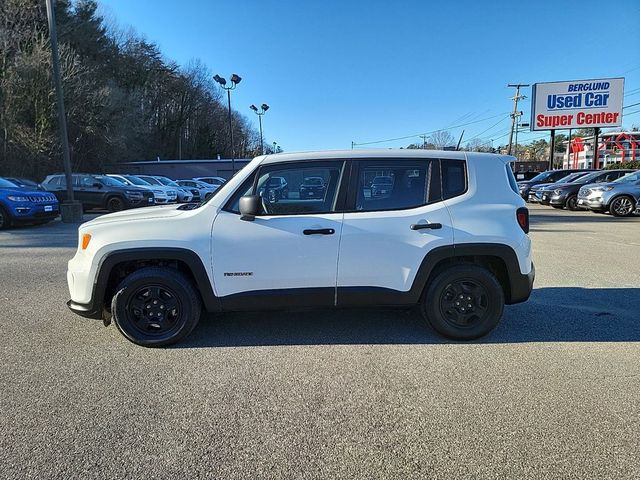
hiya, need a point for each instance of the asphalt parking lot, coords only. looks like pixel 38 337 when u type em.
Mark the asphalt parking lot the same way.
pixel 553 392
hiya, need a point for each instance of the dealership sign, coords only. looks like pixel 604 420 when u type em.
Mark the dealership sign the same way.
pixel 577 104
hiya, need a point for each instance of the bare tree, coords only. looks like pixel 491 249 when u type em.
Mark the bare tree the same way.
pixel 441 139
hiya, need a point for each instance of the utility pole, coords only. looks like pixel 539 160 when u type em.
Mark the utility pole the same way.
pixel 424 141
pixel 516 114
pixel 71 211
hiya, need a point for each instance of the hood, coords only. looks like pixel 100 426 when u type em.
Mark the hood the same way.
pixel 29 191
pixel 146 213
pixel 540 186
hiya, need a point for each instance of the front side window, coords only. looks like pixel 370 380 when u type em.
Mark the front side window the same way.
pixel 285 190
pixel 394 185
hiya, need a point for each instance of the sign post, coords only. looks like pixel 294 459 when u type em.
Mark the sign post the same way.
pixel 577 104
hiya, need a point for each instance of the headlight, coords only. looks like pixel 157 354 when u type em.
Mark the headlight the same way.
pixel 557 191
pixel 602 189
pixel 132 194
pixel 18 198
pixel 157 192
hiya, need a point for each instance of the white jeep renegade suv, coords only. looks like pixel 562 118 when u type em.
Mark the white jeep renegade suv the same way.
pixel 448 233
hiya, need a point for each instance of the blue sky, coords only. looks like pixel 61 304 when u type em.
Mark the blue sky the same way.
pixel 334 72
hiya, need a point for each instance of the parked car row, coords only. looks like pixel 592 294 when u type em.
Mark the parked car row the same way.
pixel 26 201
pixel 613 191
pixel 116 192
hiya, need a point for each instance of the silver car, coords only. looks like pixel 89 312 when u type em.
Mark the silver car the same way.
pixel 619 197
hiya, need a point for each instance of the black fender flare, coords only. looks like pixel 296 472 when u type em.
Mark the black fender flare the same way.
pixel 190 258
pixel 519 285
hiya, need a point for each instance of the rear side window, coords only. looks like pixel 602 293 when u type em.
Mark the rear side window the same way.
pixel 394 185
pixel 454 178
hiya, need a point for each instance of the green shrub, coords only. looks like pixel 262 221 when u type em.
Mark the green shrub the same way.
pixel 631 164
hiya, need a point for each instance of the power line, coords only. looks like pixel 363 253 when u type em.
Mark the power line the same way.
pixel 430 132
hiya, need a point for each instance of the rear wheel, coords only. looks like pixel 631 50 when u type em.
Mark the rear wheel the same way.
pixel 156 306
pixel 463 302
pixel 572 203
pixel 622 206
pixel 115 204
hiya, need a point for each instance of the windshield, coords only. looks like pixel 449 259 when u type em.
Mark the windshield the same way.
pixel 7 184
pixel 630 177
pixel 109 181
pixel 136 181
pixel 168 182
pixel 152 181
pixel 313 181
pixel 541 176
pixel 573 177
pixel 385 180
pixel 589 177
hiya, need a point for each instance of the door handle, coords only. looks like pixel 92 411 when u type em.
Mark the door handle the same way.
pixel 420 226
pixel 319 231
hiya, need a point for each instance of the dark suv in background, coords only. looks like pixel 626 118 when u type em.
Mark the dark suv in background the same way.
pixel 99 191
pixel 550 176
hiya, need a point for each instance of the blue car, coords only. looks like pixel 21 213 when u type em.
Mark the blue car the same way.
pixel 25 205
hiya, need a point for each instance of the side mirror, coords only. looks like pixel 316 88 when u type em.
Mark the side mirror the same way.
pixel 97 185
pixel 250 207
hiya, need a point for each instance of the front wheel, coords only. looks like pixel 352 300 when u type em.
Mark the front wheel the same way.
pixel 572 203
pixel 463 302
pixel 115 204
pixel 156 306
pixel 622 206
pixel 5 220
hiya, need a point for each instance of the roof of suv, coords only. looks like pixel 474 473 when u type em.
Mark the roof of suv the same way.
pixel 377 153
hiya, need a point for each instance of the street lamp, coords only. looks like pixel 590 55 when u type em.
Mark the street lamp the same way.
pixel 235 80
pixel 263 109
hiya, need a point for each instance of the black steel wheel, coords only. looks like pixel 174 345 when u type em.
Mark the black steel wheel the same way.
pixel 622 206
pixel 156 306
pixel 572 203
pixel 463 302
pixel 115 204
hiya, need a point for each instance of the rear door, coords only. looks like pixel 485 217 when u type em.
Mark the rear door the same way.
pixel 288 255
pixel 386 235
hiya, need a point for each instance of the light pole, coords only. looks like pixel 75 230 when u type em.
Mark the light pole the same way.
pixel 70 210
pixel 235 80
pixel 263 109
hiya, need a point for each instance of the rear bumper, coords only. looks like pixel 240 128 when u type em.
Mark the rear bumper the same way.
pixel 521 286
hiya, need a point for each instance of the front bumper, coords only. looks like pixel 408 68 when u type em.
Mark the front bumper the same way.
pixel 87 310
pixel 557 199
pixel 592 203
pixel 28 211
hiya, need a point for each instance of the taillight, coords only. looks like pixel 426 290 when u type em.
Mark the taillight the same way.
pixel 522 215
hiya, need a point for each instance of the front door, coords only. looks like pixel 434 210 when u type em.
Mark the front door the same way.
pixel 288 255
pixel 397 216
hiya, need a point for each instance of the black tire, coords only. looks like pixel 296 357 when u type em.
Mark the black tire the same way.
pixel 572 203
pixel 622 206
pixel 115 204
pixel 5 219
pixel 463 283
pixel 177 305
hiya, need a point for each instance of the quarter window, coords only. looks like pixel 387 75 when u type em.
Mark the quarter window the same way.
pixel 454 178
